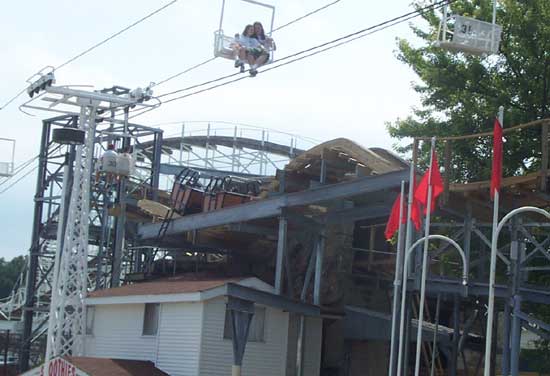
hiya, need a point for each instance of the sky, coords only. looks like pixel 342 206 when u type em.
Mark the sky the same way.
pixel 350 92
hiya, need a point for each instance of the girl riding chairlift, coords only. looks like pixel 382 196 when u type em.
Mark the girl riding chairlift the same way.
pixel 249 49
pixel 253 47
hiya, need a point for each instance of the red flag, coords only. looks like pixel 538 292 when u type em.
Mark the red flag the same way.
pixel 436 181
pixel 415 214
pixel 496 174
pixel 393 222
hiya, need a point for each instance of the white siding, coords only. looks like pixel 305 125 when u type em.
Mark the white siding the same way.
pixel 266 358
pixel 312 348
pixel 179 338
pixel 117 334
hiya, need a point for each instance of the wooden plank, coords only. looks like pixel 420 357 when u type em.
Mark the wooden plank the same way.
pixel 487 134
pixel 486 184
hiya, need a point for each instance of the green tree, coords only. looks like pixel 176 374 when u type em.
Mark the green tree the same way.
pixel 460 94
pixel 9 272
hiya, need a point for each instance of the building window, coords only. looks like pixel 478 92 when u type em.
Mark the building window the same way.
pixel 90 316
pixel 151 319
pixel 256 331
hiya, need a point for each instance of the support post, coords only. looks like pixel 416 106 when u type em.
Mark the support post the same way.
pixel 120 223
pixel 155 171
pixel 515 258
pixel 397 285
pixel 281 247
pixel 456 336
pixel 544 158
pixel 309 272
pixel 515 337
pixel 241 313
pixel 407 337
pixel 34 251
pixel 6 350
pixel 300 347
pixel 506 340
pixel 447 165
pixel 323 176
pixel 320 250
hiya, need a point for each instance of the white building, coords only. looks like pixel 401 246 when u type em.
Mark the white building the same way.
pixel 184 327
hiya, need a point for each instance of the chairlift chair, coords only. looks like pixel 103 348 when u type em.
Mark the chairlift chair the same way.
pixel 225 45
pixel 7 166
pixel 469 35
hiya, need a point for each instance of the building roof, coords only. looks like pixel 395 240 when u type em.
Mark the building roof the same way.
pixel 175 285
pixel 180 290
pixel 114 367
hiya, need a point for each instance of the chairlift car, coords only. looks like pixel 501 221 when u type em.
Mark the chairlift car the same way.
pixel 469 35
pixel 7 166
pixel 226 46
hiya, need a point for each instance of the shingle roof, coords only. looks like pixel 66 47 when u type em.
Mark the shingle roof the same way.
pixel 176 285
pixel 114 367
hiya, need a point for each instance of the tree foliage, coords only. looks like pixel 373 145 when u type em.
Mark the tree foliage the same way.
pixel 9 272
pixel 460 94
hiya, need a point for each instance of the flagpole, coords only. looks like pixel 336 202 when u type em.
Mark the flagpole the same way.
pixel 397 282
pixel 424 267
pixel 408 242
pixel 491 299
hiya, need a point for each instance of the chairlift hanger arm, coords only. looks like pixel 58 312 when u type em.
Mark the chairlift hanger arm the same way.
pixel 260 4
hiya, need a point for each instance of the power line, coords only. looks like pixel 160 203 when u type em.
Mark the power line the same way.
pixel 86 51
pixel 328 46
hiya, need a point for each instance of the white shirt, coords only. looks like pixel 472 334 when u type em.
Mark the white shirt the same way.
pixel 249 42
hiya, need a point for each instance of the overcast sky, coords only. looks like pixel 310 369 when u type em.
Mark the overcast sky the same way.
pixel 347 92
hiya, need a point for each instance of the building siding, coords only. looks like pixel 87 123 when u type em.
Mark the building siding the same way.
pixel 266 358
pixel 179 338
pixel 117 334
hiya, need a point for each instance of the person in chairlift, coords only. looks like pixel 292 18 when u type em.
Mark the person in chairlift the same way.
pixel 266 42
pixel 249 50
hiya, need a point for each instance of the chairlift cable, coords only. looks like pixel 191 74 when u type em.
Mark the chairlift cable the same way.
pixel 185 71
pixel 331 44
pixel 274 30
pixel 18 180
pixel 142 19
pixel 306 15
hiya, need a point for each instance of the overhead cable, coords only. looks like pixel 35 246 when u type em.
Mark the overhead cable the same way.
pixel 274 30
pixel 309 51
pixel 306 15
pixel 144 18
pixel 117 34
pixel 18 180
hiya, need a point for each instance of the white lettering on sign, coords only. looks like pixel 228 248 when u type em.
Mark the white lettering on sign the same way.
pixel 59 367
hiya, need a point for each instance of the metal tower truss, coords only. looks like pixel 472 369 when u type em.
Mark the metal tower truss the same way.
pixel 67 313
pixel 77 242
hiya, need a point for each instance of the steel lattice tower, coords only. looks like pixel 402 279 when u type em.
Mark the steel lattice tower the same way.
pixel 67 322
